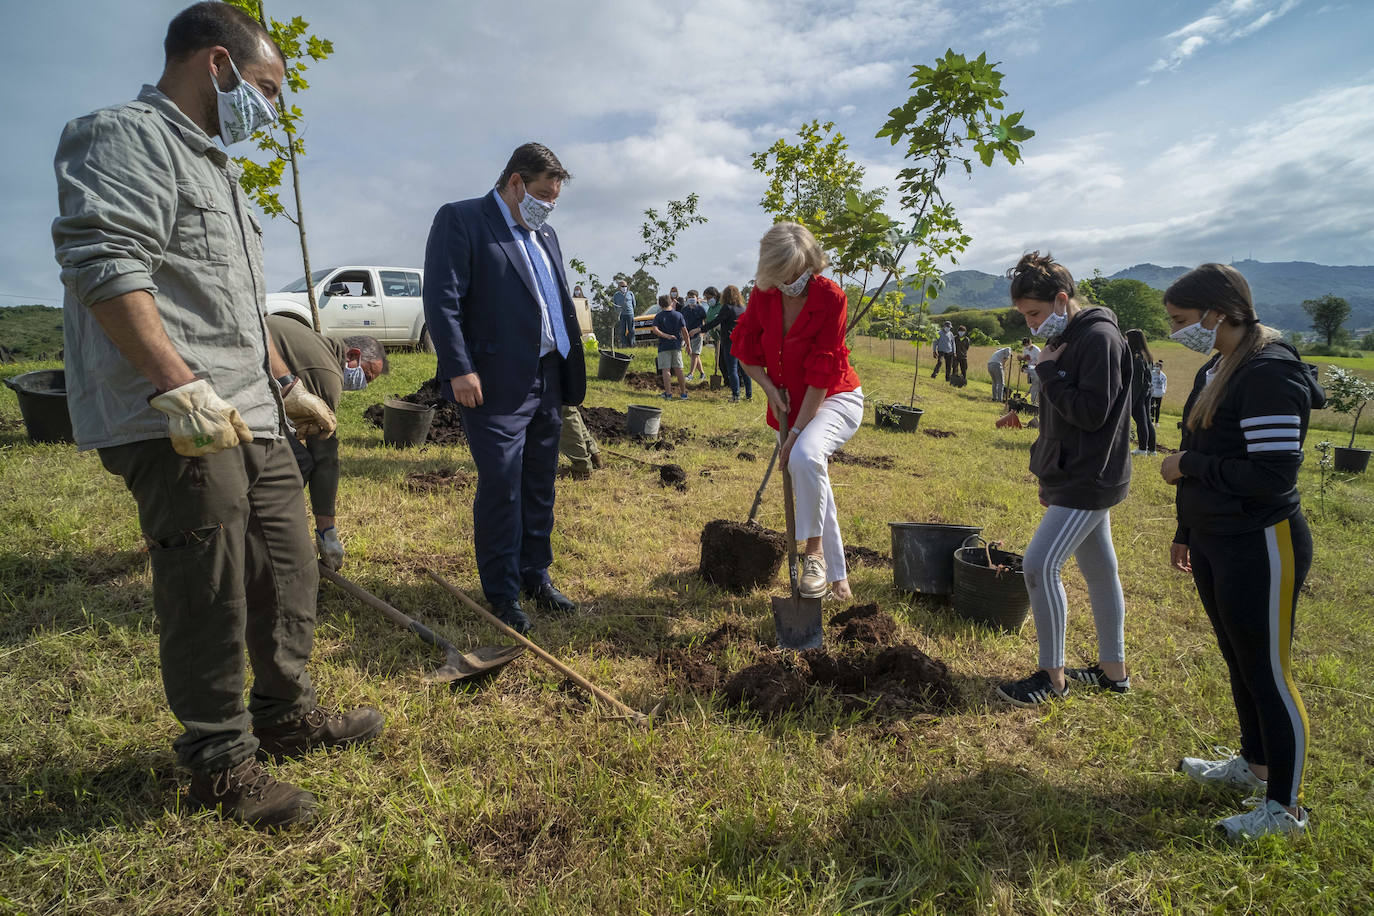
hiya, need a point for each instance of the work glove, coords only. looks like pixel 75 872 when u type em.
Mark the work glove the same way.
pixel 331 549
pixel 200 422
pixel 310 415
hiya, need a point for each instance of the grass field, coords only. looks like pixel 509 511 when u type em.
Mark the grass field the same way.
pixel 519 798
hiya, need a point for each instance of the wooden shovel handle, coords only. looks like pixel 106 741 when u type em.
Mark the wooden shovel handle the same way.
pixel 579 680
pixel 758 497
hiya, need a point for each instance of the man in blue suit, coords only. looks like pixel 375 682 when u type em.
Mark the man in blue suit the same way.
pixel 501 318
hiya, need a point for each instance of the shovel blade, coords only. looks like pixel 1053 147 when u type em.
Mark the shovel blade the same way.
pixel 475 666
pixel 798 622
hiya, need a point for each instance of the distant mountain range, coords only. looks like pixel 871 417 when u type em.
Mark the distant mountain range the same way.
pixel 1279 289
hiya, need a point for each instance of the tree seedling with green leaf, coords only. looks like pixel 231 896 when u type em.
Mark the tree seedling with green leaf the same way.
pixel 1347 393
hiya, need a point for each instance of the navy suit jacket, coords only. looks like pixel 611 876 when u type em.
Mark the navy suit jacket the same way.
pixel 481 309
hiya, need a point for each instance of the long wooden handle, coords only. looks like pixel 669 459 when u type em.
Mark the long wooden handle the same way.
pixel 395 616
pixel 758 497
pixel 572 675
pixel 791 534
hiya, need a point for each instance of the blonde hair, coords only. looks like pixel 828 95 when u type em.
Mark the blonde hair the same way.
pixel 1222 289
pixel 785 251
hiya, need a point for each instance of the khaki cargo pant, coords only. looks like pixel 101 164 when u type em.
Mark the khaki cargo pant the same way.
pixel 233 568
pixel 575 442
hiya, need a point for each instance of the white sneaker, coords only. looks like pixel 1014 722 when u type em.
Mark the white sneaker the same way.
pixel 331 550
pixel 1265 816
pixel 813 583
pixel 1232 770
pixel 1139 451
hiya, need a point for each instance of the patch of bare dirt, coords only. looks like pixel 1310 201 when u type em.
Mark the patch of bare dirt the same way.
pixel 870 677
pixel 938 433
pixel 738 556
pixel 865 556
pixel 881 462
pixel 442 479
pixel 747 456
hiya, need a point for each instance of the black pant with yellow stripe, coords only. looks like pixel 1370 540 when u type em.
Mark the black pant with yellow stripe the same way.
pixel 1249 585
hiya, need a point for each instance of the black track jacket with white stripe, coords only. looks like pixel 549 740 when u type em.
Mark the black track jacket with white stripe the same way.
pixel 1241 474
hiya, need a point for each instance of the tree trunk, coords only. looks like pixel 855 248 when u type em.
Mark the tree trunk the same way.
pixel 1356 425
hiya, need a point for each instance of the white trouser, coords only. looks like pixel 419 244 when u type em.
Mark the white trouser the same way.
pixel 836 420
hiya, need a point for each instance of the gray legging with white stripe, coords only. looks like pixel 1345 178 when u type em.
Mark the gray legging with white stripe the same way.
pixel 1086 534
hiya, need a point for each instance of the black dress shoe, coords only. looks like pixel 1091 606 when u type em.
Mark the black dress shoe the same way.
pixel 550 599
pixel 513 616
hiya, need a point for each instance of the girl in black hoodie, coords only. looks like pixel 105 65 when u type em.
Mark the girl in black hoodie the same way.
pixel 1082 458
pixel 1241 532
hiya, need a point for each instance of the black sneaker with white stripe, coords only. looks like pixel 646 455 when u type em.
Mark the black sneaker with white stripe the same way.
pixel 1096 677
pixel 1032 691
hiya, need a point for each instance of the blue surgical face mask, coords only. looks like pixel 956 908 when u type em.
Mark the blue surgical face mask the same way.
pixel 354 379
pixel 242 110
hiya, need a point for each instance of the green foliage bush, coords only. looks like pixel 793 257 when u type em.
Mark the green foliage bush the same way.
pixel 31 332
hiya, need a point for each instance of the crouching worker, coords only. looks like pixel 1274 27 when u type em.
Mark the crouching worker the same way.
pixel 790 340
pixel 172 377
pixel 577 444
pixel 326 368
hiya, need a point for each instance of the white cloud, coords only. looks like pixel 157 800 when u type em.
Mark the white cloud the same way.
pixel 1223 23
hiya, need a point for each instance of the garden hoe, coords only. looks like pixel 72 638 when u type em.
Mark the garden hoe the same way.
pixel 796 619
pixel 473 667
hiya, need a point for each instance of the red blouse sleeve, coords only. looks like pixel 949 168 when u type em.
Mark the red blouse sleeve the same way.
pixel 825 364
pixel 746 341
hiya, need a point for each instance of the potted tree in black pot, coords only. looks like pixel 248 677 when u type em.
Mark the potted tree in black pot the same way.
pixel 1348 393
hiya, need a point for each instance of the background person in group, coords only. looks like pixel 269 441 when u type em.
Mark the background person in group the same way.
pixel 1141 362
pixel 671 331
pixel 791 341
pixel 1242 534
pixel 170 375
pixel 327 368
pixel 577 444
pixel 1159 384
pixel 509 353
pixel 944 351
pixel 997 370
pixel 623 334
pixel 731 310
pixel 694 313
pixel 1082 460
pixel 1031 354
pixel 961 345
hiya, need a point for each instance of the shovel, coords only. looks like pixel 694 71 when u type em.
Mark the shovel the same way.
pixel 474 666
pixel 796 619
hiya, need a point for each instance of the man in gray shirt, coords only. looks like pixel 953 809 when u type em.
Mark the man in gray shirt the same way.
pixel 624 300
pixel 172 377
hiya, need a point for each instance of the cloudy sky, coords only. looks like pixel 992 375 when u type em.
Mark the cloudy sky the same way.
pixel 1167 131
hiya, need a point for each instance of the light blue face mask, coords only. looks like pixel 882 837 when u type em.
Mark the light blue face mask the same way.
pixel 354 379
pixel 242 110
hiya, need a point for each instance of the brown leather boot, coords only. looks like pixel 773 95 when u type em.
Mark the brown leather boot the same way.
pixel 320 727
pixel 250 795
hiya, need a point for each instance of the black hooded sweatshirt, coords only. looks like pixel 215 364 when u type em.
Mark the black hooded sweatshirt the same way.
pixel 1241 473
pixel 1083 454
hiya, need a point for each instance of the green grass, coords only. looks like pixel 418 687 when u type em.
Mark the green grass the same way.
pixel 520 798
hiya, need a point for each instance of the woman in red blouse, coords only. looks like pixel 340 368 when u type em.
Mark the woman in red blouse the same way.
pixel 790 341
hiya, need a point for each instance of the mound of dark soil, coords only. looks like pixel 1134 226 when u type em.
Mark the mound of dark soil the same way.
pixel 870 679
pixel 747 456
pixel 725 440
pixel 865 556
pixel 442 479
pixel 938 433
pixel 672 475
pixel 740 557
pixel 447 426
pixel 865 624
pixel 606 424
pixel 881 462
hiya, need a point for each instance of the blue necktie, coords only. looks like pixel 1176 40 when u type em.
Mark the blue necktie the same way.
pixel 552 300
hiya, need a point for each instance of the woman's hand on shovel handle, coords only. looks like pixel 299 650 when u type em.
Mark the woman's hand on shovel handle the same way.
pixel 787 442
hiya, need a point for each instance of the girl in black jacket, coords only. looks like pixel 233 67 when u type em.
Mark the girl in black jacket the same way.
pixel 1083 463
pixel 1241 532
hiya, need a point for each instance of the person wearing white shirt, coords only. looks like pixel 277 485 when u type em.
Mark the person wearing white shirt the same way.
pixel 1159 383
pixel 997 365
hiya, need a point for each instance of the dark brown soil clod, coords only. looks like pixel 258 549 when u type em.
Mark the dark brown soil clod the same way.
pixel 747 456
pixel 740 557
pixel 938 433
pixel 672 475
pixel 880 462
pixel 442 479
pixel 768 688
pixel 865 556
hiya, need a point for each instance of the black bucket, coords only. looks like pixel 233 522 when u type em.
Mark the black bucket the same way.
pixel 43 404
pixel 612 366
pixel 897 416
pixel 988 595
pixel 405 424
pixel 923 555
pixel 1347 460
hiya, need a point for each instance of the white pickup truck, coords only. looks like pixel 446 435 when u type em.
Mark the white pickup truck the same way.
pixel 381 302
